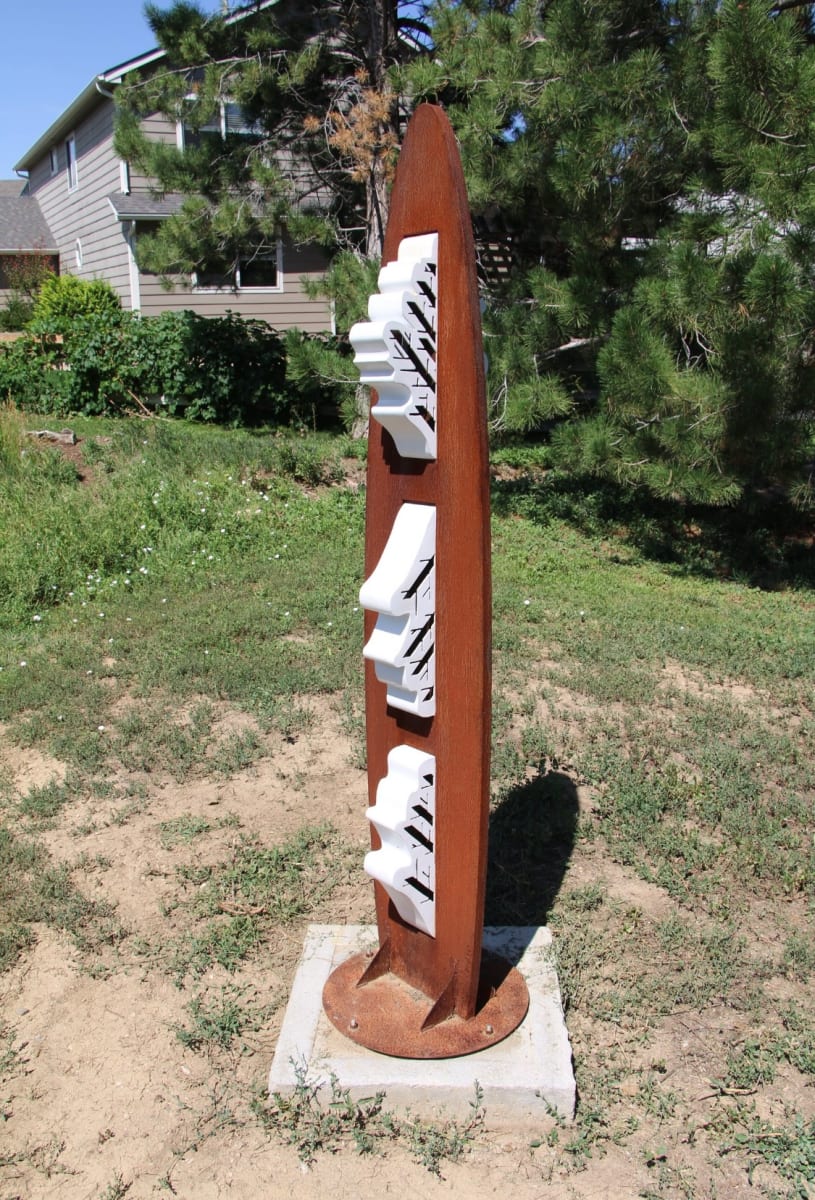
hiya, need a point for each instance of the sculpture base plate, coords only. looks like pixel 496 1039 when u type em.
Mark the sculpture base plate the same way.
pixel 388 1015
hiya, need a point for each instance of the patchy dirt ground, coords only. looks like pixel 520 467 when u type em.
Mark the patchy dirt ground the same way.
pixel 101 1095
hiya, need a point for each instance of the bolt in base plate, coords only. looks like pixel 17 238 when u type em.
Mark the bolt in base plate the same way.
pixel 389 1016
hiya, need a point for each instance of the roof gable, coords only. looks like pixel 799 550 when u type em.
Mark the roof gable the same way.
pixel 23 228
pixel 98 90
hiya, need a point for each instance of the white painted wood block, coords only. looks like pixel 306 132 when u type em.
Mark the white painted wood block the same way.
pixel 402 589
pixel 403 816
pixel 395 350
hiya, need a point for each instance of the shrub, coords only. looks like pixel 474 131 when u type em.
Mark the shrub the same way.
pixel 227 369
pixel 30 378
pixel 16 315
pixel 222 369
pixel 64 298
pixel 25 275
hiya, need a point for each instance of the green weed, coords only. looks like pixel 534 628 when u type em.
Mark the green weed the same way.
pixel 256 888
pixel 42 804
pixel 116 1189
pixel 236 752
pixel 219 1021
pixel 182 830
pixel 314 1120
pixel 32 889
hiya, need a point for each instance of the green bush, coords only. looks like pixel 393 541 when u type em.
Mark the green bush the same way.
pixel 30 378
pixel 16 315
pixel 64 298
pixel 25 275
pixel 226 369
pixel 222 369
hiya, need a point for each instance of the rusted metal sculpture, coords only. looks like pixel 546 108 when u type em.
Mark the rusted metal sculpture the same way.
pixel 428 992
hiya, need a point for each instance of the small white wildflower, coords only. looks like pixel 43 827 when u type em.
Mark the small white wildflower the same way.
pixel 23 662
pixel 527 602
pixel 164 601
pixel 330 623
pixel 101 728
pixel 101 614
pixel 142 527
pixel 206 652
pixel 37 617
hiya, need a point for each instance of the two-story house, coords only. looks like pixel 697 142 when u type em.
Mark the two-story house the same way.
pixel 85 206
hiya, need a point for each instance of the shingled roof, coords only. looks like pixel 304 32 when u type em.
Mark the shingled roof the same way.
pixel 140 207
pixel 22 225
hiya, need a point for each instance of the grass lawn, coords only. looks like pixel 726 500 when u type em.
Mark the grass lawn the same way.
pixel 182 788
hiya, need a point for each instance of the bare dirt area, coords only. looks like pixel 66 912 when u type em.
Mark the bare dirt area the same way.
pixel 137 1066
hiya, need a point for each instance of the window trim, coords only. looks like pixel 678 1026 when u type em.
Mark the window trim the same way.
pixel 180 135
pixel 53 159
pixel 248 289
pixel 71 165
pixel 79 254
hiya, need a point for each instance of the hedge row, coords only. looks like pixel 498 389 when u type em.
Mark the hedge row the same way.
pixel 225 369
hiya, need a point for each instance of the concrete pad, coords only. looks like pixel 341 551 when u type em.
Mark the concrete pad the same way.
pixel 520 1076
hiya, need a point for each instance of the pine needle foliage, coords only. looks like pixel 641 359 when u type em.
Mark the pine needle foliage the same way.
pixel 649 166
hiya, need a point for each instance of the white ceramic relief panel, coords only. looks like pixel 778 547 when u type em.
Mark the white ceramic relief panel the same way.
pixel 402 589
pixel 395 350
pixel 403 817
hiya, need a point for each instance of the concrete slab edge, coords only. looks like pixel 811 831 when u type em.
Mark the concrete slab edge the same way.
pixel 522 1077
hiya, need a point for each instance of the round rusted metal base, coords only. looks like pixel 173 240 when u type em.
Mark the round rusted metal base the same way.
pixel 387 1015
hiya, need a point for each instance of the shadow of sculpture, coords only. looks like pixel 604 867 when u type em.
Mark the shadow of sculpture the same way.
pixel 532 835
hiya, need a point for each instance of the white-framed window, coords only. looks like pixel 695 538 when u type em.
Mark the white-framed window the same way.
pixel 53 159
pixel 124 176
pixel 80 257
pixel 262 272
pixel 229 120
pixel 70 162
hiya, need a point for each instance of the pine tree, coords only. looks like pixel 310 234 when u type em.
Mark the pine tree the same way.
pixel 290 120
pixel 651 165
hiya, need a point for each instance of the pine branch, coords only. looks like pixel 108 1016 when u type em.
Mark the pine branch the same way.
pixel 572 344
pixel 785 5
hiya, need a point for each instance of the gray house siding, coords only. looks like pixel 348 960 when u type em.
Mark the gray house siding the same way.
pixel 158 129
pixel 87 214
pixel 82 214
pixel 286 308
pixel 100 215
